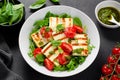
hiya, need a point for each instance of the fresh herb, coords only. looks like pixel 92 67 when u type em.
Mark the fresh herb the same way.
pixel 60 50
pixel 60 27
pixel 47 29
pixel 40 58
pixel 51 52
pixel 59 68
pixel 55 43
pixel 55 1
pixel 77 21
pixel 37 4
pixel 78 51
pixel 64 15
pixel 90 48
pixel 9 13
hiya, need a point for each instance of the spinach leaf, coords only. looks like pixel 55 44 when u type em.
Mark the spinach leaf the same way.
pixel 37 4
pixel 55 1
pixel 77 21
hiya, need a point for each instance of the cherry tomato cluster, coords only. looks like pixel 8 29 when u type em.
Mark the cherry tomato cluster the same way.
pixel 111 70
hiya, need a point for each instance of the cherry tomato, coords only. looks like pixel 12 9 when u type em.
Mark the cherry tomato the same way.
pixel 70 32
pixel 104 78
pixel 117 69
pixel 115 77
pixel 112 59
pixel 62 59
pixel 116 51
pixel 45 33
pixel 107 69
pixel 78 29
pixel 48 64
pixel 37 51
pixel 66 47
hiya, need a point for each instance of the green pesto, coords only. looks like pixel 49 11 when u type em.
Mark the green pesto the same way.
pixel 104 14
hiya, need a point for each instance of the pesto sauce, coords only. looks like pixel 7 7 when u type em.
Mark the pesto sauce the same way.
pixel 104 15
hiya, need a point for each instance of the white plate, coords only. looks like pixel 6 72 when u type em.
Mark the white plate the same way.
pixel 28 25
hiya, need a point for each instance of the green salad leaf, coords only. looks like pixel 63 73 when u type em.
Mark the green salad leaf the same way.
pixel 55 1
pixel 55 43
pixel 9 13
pixel 77 21
pixel 37 4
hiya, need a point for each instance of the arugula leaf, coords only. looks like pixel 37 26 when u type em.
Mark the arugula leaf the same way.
pixel 59 68
pixel 37 4
pixel 64 15
pixel 77 21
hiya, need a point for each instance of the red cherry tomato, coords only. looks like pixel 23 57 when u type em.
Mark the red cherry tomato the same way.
pixel 78 29
pixel 37 51
pixel 66 47
pixel 117 69
pixel 112 59
pixel 116 51
pixel 62 59
pixel 45 33
pixel 115 77
pixel 70 32
pixel 103 78
pixel 48 64
pixel 107 69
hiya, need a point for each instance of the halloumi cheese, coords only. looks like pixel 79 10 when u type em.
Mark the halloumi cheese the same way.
pixel 38 39
pixel 54 21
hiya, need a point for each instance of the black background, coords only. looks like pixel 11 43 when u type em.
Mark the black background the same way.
pixel 108 38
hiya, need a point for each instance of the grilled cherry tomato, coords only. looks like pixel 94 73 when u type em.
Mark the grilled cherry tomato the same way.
pixel 37 51
pixel 103 78
pixel 46 33
pixel 78 29
pixel 115 77
pixel 70 32
pixel 112 59
pixel 48 64
pixel 66 47
pixel 107 69
pixel 117 69
pixel 62 59
pixel 116 51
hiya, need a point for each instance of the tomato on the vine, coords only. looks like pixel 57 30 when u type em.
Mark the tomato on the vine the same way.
pixel 103 78
pixel 112 59
pixel 115 77
pixel 116 51
pixel 117 69
pixel 107 69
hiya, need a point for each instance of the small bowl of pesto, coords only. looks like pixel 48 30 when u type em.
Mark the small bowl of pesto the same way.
pixel 105 9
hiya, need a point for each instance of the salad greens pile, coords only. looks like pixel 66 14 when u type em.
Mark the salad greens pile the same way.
pixel 75 61
pixel 10 13
pixel 40 3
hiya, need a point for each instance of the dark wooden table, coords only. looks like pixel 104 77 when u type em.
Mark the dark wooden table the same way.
pixel 108 38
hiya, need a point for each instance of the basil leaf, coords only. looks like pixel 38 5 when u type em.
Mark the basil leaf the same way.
pixel 77 21
pixel 55 43
pixel 40 58
pixel 60 27
pixel 37 4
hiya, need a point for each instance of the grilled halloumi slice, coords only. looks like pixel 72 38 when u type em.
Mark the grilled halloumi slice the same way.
pixel 53 57
pixel 46 51
pixel 54 21
pixel 38 39
pixel 80 42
